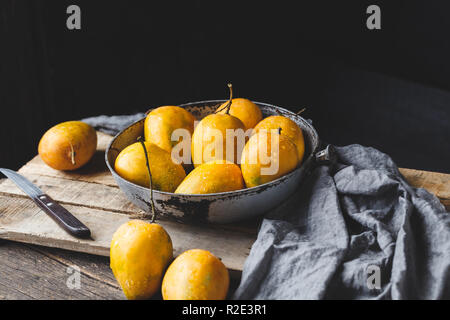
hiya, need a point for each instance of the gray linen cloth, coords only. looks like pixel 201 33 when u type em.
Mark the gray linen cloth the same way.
pixel 353 230
pixel 347 226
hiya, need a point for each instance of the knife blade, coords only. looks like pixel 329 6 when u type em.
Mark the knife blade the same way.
pixel 57 212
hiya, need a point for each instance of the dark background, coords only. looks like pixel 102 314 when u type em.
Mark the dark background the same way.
pixel 387 88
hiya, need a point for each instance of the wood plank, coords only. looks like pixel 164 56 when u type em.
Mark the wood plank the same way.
pixel 29 274
pixel 92 195
pixel 97 196
pixel 21 220
pixel 434 182
pixel 93 266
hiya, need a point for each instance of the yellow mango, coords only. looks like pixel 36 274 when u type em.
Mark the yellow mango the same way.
pixel 131 165
pixel 267 157
pixel 161 122
pixel 196 275
pixel 140 253
pixel 288 128
pixel 245 110
pixel 212 177
pixel 68 145
pixel 210 140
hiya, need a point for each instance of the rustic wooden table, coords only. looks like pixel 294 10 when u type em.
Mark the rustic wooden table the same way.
pixel 30 271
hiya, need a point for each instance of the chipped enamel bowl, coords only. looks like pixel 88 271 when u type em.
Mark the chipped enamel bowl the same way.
pixel 224 207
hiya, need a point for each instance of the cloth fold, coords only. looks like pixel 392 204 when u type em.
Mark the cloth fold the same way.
pixel 352 230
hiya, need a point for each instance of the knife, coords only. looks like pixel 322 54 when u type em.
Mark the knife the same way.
pixel 57 212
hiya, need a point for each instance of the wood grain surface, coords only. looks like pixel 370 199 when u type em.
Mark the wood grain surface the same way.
pixel 435 182
pixel 33 272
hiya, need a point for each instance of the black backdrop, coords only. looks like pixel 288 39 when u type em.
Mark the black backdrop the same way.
pixel 387 88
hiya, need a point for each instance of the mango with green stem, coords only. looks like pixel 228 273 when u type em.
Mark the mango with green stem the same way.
pixel 243 109
pixel 140 253
pixel 218 137
pixel 130 164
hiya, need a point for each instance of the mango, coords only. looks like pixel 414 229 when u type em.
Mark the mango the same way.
pixel 131 165
pixel 196 275
pixel 210 141
pixel 288 128
pixel 68 145
pixel 218 137
pixel 212 177
pixel 245 110
pixel 266 157
pixel 140 253
pixel 161 122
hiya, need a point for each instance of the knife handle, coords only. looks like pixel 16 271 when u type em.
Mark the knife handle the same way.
pixel 62 217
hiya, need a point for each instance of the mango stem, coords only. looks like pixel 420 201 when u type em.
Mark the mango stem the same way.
pixel 72 154
pixel 300 112
pixel 152 204
pixel 230 101
pixel 230 86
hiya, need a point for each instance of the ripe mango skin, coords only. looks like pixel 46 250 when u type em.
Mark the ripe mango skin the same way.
pixel 131 165
pixel 203 138
pixel 245 110
pixel 139 254
pixel 212 177
pixel 161 122
pixel 56 145
pixel 251 166
pixel 288 128
pixel 196 275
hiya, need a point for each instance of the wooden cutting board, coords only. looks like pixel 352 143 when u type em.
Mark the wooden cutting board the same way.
pixel 92 195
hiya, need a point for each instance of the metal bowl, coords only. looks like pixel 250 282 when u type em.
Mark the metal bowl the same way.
pixel 224 207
